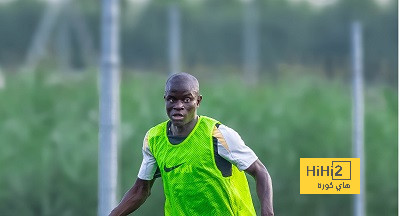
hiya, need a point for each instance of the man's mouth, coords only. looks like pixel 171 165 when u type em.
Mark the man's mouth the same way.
pixel 177 116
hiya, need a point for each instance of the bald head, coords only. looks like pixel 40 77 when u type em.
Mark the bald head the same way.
pixel 182 98
pixel 182 79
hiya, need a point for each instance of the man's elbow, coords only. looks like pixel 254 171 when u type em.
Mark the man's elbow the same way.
pixel 262 172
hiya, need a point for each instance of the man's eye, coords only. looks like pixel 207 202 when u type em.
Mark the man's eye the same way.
pixel 171 100
pixel 186 100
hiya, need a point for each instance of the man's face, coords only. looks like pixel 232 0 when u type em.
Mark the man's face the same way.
pixel 181 102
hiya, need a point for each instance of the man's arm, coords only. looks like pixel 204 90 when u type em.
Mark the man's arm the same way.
pixel 133 198
pixel 263 186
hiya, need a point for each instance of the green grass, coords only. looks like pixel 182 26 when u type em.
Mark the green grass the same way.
pixel 49 138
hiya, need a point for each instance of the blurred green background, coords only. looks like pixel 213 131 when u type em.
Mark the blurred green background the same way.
pixel 300 106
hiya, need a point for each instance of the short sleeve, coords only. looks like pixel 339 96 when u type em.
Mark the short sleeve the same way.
pixel 149 164
pixel 232 148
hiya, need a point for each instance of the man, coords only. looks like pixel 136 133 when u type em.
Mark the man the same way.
pixel 201 162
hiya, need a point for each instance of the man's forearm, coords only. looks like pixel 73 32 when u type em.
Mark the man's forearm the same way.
pixel 263 187
pixel 265 193
pixel 128 204
pixel 133 198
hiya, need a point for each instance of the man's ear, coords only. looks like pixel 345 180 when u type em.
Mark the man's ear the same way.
pixel 199 98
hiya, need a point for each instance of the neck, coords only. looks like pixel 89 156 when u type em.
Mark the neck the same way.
pixel 184 130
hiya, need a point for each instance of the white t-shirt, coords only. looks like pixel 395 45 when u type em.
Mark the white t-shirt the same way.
pixel 230 146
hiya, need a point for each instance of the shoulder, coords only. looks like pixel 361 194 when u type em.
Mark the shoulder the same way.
pixel 220 130
pixel 209 119
pixel 232 147
pixel 227 136
pixel 226 131
pixel 158 129
pixel 155 134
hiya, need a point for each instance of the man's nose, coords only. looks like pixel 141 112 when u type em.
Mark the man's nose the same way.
pixel 178 105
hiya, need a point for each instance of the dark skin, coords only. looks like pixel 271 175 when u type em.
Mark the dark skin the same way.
pixel 182 99
pixel 181 102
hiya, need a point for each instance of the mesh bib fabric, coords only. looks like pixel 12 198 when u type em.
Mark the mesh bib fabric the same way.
pixel 193 185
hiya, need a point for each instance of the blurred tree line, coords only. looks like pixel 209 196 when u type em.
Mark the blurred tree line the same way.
pixel 212 35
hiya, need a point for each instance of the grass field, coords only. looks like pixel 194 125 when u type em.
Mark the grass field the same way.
pixel 49 138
